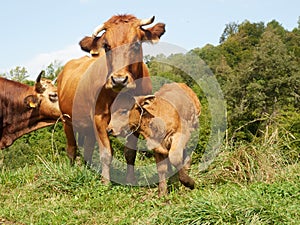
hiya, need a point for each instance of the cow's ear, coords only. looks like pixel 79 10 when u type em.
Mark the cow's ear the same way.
pixel 31 101
pixel 90 45
pixel 154 33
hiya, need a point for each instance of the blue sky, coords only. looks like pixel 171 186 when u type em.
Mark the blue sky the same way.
pixel 35 33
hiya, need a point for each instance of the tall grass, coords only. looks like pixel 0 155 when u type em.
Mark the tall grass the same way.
pixel 248 183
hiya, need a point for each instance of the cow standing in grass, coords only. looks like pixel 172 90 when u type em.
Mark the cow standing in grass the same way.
pixel 166 121
pixel 88 86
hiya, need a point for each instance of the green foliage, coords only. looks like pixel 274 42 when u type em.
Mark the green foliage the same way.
pixel 257 67
pixel 53 69
pixel 47 142
pixel 19 74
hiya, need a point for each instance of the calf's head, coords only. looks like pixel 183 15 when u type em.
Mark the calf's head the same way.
pixel 127 119
pixel 122 42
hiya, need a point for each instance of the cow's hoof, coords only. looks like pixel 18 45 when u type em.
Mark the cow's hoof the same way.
pixel 131 180
pixel 105 181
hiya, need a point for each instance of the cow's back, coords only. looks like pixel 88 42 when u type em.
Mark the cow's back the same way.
pixel 73 73
pixel 68 80
pixel 79 85
pixel 183 99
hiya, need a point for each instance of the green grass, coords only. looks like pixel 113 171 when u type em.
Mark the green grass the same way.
pixel 56 193
pixel 248 183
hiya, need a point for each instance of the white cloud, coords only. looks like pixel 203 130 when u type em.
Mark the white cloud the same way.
pixel 41 61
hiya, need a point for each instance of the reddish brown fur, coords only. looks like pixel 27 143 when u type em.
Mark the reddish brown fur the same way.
pixel 17 118
pixel 126 18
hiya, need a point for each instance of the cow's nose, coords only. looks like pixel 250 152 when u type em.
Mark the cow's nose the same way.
pixel 53 96
pixel 119 81
pixel 109 130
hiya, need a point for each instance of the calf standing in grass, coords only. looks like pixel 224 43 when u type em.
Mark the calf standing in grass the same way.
pixel 166 121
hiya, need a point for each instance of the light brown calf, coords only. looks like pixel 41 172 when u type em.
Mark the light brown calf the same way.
pixel 166 121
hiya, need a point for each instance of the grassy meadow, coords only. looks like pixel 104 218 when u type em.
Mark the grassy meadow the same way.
pixel 254 184
pixel 254 179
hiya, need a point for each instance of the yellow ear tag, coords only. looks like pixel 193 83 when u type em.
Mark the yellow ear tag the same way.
pixel 32 105
pixel 93 52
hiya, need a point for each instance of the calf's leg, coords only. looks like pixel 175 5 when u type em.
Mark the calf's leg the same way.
pixel 130 155
pixel 162 169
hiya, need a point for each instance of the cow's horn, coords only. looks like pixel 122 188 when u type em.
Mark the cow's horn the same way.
pixel 98 29
pixel 38 79
pixel 54 81
pixel 144 22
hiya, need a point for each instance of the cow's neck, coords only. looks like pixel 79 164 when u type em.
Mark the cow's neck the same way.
pixel 18 124
pixel 15 119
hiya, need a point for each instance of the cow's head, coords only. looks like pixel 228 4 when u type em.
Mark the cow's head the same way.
pixel 122 42
pixel 45 99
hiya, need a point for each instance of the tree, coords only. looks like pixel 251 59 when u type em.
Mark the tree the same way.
pixel 19 74
pixel 230 29
pixel 53 69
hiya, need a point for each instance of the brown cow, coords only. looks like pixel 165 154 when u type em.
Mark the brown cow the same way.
pixel 88 86
pixel 166 121
pixel 25 108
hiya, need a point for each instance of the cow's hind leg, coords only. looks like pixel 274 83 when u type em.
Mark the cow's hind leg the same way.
pixel 71 142
pixel 176 157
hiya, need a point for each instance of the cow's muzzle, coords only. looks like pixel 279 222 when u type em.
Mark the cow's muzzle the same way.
pixel 117 82
pixel 53 96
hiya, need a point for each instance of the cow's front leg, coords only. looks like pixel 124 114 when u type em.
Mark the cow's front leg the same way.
pixel 71 142
pixel 130 155
pixel 105 149
pixel 89 145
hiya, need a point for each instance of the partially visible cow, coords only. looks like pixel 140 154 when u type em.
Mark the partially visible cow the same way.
pixel 26 108
pixel 88 86
pixel 166 121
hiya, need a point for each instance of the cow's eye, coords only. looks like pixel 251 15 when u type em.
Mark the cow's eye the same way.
pixel 136 46
pixel 123 111
pixel 106 47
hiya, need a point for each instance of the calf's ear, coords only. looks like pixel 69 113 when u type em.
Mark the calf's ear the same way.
pixel 31 101
pixel 146 102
